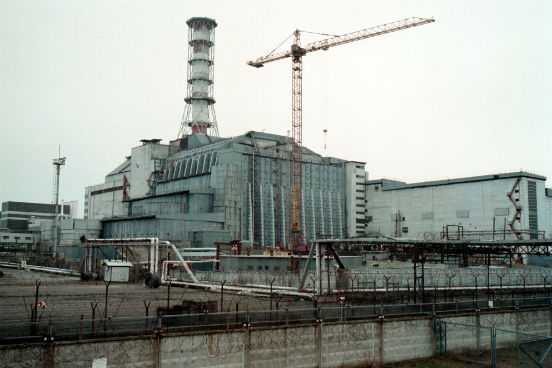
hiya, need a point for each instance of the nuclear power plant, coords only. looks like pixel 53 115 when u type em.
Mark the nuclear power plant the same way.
pixel 201 188
pixel 255 250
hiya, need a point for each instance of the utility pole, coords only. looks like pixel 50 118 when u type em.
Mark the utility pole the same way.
pixel 58 163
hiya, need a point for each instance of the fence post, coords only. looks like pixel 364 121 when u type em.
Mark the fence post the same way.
pixel 493 347
pixel 80 326
pixel 246 341
pixel 440 337
pixel 318 342
pixel 318 313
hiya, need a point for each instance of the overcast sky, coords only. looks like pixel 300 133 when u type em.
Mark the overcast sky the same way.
pixel 470 94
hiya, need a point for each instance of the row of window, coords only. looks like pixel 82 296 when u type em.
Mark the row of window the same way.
pixel 16 237
pixel 459 214
pixel 267 268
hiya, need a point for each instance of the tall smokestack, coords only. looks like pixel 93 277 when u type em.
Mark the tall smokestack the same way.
pixel 199 113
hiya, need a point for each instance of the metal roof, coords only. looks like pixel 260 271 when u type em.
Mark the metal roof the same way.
pixel 387 184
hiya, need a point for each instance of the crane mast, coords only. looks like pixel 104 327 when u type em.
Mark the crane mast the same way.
pixel 296 53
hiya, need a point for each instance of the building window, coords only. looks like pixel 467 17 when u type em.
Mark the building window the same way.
pixel 277 268
pixel 405 229
pixel 260 268
pixel 249 268
pixel 267 268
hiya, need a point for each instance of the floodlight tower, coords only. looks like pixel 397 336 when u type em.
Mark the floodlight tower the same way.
pixel 199 113
pixel 58 163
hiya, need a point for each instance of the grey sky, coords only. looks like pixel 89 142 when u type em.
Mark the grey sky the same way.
pixel 469 94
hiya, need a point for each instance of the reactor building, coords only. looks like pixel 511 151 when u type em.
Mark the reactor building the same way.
pixel 201 188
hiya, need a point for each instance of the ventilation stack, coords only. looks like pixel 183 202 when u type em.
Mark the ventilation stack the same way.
pixel 199 114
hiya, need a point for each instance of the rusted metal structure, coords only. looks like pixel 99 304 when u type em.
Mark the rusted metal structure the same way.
pixel 436 251
pixel 235 247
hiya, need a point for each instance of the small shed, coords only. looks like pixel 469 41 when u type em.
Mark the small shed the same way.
pixel 116 271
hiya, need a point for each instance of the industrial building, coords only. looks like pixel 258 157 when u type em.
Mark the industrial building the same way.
pixel 200 189
pixel 496 207
pixel 352 247
pixel 18 215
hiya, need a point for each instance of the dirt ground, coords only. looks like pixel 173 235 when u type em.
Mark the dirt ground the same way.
pixel 430 363
pixel 68 298
pixel 505 358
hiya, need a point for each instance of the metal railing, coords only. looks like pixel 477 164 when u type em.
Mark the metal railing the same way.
pixel 77 329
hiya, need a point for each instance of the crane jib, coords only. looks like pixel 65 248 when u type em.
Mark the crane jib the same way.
pixel 297 240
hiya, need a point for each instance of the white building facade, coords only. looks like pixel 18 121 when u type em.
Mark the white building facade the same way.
pixel 503 206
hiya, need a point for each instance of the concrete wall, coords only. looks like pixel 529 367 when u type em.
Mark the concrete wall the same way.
pixel 336 344
pixel 366 278
pixel 104 200
pixel 277 263
pixel 71 230
pixel 145 160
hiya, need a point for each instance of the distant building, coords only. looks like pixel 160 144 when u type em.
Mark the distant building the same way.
pixel 504 206
pixel 18 215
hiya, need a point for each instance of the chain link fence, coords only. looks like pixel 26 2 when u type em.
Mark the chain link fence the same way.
pixel 492 346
